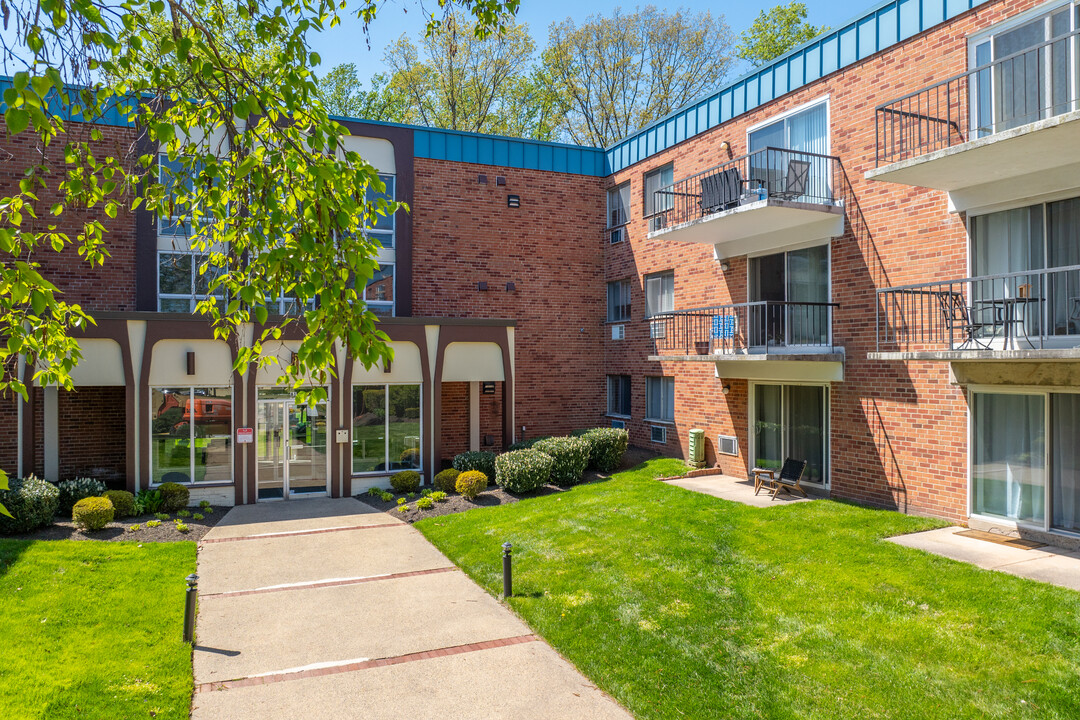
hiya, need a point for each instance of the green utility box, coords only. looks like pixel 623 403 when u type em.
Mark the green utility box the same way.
pixel 697 448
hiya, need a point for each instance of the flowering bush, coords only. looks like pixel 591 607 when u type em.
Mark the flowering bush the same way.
pixel 570 457
pixel 32 503
pixel 72 491
pixel 522 471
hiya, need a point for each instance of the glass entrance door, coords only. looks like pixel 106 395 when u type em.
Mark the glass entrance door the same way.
pixel 291 457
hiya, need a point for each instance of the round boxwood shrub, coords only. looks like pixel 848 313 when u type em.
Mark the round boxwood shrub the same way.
pixel 32 503
pixel 72 491
pixel 522 471
pixel 570 457
pixel 446 480
pixel 606 448
pixel 122 501
pixel 93 513
pixel 471 483
pixel 406 481
pixel 480 460
pixel 410 456
pixel 174 496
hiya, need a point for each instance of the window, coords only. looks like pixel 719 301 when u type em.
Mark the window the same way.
pixel 180 285
pixel 794 290
pixel 660 293
pixel 618 301
pixel 654 181
pixel 190 435
pixel 791 421
pixel 1026 82
pixel 618 204
pixel 384 225
pixel 791 137
pixel 386 428
pixel 660 398
pixel 379 292
pixel 618 395
pixel 658 434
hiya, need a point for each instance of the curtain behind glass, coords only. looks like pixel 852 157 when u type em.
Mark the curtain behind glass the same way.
pixel 806 429
pixel 1063 241
pixel 1018 80
pixel 1004 242
pixel 1065 461
pixel 1008 468
pixel 808 282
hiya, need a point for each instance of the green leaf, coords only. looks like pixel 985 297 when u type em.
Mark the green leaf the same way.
pixel 16 119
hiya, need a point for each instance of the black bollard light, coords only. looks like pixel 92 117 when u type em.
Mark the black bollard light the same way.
pixel 508 582
pixel 189 607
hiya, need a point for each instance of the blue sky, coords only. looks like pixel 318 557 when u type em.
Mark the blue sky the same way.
pixel 347 43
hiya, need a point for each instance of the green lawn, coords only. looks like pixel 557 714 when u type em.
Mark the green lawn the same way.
pixel 94 630
pixel 683 605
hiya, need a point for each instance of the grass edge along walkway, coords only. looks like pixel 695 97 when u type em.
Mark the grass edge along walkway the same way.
pixel 683 605
pixel 94 630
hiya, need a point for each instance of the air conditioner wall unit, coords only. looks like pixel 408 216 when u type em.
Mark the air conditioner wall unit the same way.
pixel 618 424
pixel 618 332
pixel 727 445
pixel 659 434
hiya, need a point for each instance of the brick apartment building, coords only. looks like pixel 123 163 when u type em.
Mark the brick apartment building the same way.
pixel 864 254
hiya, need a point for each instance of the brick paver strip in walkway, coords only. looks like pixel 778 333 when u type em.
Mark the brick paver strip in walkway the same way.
pixel 291 533
pixel 362 664
pixel 328 583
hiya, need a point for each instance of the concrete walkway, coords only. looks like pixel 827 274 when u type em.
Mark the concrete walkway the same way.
pixel 736 490
pixel 330 609
pixel 1046 564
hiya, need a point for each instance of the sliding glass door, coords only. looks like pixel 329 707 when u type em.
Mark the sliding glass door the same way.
pixel 792 292
pixel 1025 459
pixel 792 421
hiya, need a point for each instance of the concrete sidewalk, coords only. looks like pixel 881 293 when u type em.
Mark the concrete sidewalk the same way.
pixel 330 609
pixel 730 488
pixel 1046 564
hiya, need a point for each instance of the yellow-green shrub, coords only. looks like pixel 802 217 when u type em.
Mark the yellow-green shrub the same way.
pixel 471 483
pixel 92 513
pixel 447 480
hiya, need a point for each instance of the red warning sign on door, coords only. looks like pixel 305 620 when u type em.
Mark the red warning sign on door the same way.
pixel 245 435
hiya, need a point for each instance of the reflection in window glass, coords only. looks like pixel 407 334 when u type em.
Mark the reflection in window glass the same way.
pixel 369 428
pixel 386 428
pixel 403 427
pixel 379 292
pixel 191 435
pixel 1008 458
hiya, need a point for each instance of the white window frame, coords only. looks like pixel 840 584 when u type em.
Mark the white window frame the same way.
pixel 659 276
pixel 391 304
pixel 392 233
pixel 663 398
pixel 386 446
pixel 779 117
pixel 828 259
pixel 191 434
pixel 617 190
pixel 192 298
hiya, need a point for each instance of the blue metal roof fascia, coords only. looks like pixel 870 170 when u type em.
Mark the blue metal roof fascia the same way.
pixel 112 116
pixel 882 26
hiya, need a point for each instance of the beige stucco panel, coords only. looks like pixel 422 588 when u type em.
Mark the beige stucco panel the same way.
pixel 472 361
pixel 376 151
pixel 406 367
pixel 213 363
pixel 102 364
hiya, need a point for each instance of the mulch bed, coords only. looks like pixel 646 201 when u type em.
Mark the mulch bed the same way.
pixel 64 529
pixel 494 495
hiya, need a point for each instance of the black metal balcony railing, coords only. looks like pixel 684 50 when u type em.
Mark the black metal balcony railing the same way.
pixel 753 327
pixel 1028 310
pixel 1015 90
pixel 790 175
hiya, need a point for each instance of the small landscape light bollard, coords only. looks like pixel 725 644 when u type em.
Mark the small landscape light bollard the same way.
pixel 189 607
pixel 508 583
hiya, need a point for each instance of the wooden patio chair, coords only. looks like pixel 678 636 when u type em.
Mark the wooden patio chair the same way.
pixel 789 478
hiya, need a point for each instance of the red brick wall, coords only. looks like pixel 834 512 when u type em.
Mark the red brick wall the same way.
pixel 9 439
pixel 107 287
pixel 898 430
pixel 550 248
pixel 93 435
pixel 455 420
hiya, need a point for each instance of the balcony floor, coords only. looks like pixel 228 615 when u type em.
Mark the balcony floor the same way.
pixel 780 367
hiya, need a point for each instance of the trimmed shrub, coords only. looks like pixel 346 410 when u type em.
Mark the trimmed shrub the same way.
pixel 522 471
pixel 93 513
pixel 529 444
pixel 606 448
pixel 410 456
pixel 570 457
pixel 446 480
pixel 72 491
pixel 406 481
pixel 411 413
pixel 174 496
pixel 479 460
pixel 32 503
pixel 471 483
pixel 122 501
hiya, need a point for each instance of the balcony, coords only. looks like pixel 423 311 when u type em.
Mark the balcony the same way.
pixel 761 201
pixel 993 134
pixel 1024 316
pixel 767 340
